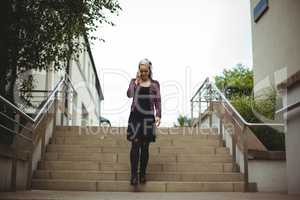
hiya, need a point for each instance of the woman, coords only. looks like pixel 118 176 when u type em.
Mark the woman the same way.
pixel 142 120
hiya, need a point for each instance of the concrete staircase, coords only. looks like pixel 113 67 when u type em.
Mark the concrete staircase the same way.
pixel 97 159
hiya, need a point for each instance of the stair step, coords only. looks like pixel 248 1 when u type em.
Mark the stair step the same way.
pixel 125 175
pixel 152 150
pixel 124 157
pixel 98 159
pixel 123 136
pixel 96 130
pixel 124 143
pixel 162 167
pixel 124 186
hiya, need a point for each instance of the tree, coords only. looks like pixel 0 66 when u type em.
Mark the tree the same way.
pixel 43 34
pixel 236 81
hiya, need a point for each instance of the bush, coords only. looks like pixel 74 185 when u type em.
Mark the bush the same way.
pixel 256 111
pixel 184 121
pixel 237 84
pixel 244 105
pixel 271 138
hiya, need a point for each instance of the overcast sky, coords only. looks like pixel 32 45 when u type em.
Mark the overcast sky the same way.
pixel 186 41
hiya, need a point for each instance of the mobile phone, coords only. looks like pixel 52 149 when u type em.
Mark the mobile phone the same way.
pixel 138 74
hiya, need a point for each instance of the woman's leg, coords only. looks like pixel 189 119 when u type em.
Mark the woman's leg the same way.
pixel 144 160
pixel 134 160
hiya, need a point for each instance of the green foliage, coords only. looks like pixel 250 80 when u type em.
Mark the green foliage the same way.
pixel 48 31
pixel 184 121
pixel 44 34
pixel 257 111
pixel 244 105
pixel 26 87
pixel 265 103
pixel 237 84
pixel 273 139
pixel 236 81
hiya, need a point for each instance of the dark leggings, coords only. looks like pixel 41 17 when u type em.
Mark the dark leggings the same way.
pixel 135 156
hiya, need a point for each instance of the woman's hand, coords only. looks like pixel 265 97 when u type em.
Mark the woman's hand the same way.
pixel 138 78
pixel 157 121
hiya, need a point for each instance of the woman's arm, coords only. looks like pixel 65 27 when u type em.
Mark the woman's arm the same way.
pixel 157 100
pixel 133 84
pixel 131 88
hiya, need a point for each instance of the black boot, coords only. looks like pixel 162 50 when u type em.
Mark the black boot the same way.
pixel 144 162
pixel 142 178
pixel 134 160
pixel 134 180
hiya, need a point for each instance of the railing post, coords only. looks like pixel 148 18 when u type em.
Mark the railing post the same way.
pixel 210 106
pixel 13 183
pixel 200 115
pixel 66 102
pixel 192 110
pixel 43 144
pixel 74 105
pixel 210 119
pixel 29 170
pixel 221 126
pixel 233 147
pixel 54 112
pixel 245 155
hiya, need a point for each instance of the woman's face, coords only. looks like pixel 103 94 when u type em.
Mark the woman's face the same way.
pixel 144 72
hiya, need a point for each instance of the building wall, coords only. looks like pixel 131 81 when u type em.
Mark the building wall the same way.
pixel 5 174
pixel 84 82
pixel 269 175
pixel 276 43
pixel 83 78
pixel 276 47
pixel 293 140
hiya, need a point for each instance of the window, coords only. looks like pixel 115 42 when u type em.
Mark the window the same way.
pixel 89 72
pixel 84 115
pixel 260 9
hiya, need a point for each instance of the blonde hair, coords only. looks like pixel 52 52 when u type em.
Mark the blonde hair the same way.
pixel 147 62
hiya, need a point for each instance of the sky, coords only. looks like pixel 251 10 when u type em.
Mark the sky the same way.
pixel 186 42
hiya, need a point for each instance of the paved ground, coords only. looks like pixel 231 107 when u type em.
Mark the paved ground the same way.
pixel 63 195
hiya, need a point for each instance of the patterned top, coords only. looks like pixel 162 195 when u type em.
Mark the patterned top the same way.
pixel 155 98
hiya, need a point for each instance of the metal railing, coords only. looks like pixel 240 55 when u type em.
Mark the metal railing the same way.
pixel 209 93
pixel 289 107
pixel 17 124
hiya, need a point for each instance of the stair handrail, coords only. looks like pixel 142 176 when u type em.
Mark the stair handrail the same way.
pixel 200 88
pixel 18 110
pixel 234 113
pixel 34 121
pixel 40 115
pixel 240 117
pixel 42 110
pixel 34 124
pixel 288 107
